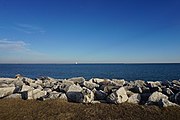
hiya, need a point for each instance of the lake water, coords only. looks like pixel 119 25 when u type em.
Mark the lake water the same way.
pixel 125 71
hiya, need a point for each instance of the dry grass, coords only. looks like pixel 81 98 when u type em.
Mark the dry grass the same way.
pixel 15 109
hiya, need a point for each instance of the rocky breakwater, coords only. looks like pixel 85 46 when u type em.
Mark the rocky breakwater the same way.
pixel 95 90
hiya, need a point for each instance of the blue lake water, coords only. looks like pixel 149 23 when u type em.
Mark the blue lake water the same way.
pixel 125 71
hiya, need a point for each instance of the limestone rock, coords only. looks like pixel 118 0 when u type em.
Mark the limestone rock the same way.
pixel 100 95
pixel 119 83
pixel 90 85
pixel 139 83
pixel 7 80
pixel 95 102
pixel 154 89
pixel 2 85
pixel 154 84
pixel 177 82
pixel 6 91
pixel 54 95
pixel 156 97
pixel 135 98
pixel 166 103
pixel 177 98
pixel 33 94
pixel 63 96
pixel 118 96
pixel 88 95
pixel 96 80
pixel 47 90
pixel 167 91
pixel 136 89
pixel 26 88
pixel 18 83
pixel 16 95
pixel 76 80
pixel 34 85
pixel 74 93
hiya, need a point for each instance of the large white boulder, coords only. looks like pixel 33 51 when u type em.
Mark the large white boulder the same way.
pixel 6 91
pixel 118 96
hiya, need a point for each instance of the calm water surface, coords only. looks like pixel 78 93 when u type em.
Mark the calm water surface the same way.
pixel 126 71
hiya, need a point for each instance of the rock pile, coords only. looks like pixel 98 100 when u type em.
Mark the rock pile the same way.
pixel 95 90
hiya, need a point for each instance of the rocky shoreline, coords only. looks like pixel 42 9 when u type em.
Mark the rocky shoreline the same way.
pixel 95 90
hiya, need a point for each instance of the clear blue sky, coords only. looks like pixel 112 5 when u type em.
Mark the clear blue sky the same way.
pixel 66 31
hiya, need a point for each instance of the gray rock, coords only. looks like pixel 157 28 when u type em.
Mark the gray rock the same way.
pixel 18 83
pixel 108 88
pixel 15 96
pixel 2 85
pixel 7 80
pixel 90 85
pixel 39 87
pixel 74 93
pixel 18 76
pixel 156 97
pixel 136 89
pixel 38 82
pixel 97 80
pixel 100 95
pixel 26 80
pixel 88 96
pixel 154 89
pixel 95 102
pixel 11 85
pixel 33 94
pixel 54 95
pixel 139 83
pixel 34 85
pixel 177 98
pixel 154 84
pixel 119 83
pixel 135 98
pixel 145 90
pixel 47 90
pixel 6 91
pixel 63 96
pixel 76 80
pixel 144 97
pixel 166 83
pixel 118 96
pixel 167 91
pixel 26 88
pixel 177 82
pixel 166 103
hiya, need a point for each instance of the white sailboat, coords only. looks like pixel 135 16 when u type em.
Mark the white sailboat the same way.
pixel 76 63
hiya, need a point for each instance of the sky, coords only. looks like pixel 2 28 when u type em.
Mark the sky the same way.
pixel 89 31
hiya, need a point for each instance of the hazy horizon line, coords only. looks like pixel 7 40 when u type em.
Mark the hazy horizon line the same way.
pixel 94 63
